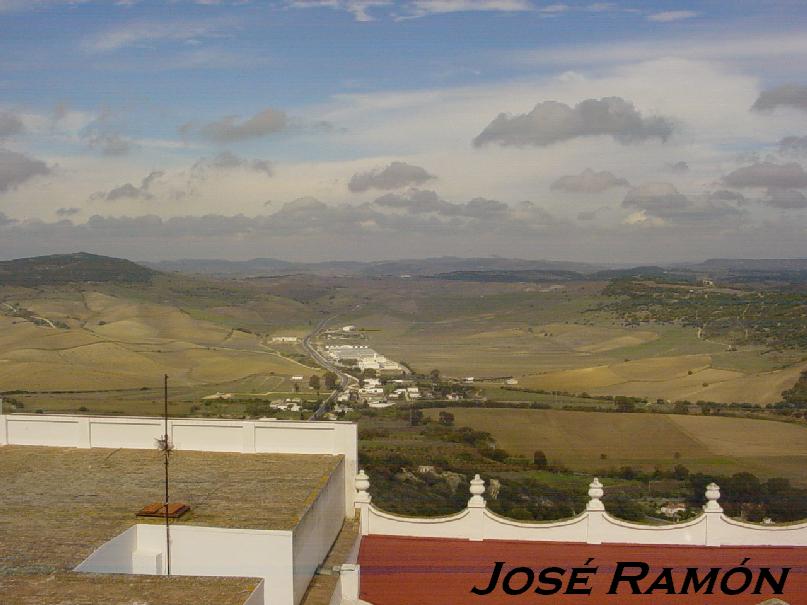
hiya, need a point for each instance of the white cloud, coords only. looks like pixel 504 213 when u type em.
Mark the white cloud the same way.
pixel 10 6
pixel 360 9
pixel 427 7
pixel 669 16
pixel 734 47
pixel 136 33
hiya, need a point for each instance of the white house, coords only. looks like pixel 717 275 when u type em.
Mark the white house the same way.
pixel 672 509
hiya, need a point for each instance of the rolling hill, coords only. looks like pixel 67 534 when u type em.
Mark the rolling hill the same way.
pixel 71 268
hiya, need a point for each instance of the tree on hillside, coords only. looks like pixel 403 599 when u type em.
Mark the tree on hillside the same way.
pixel 681 407
pixel 446 418
pixel 314 382
pixel 330 380
pixel 539 459
pixel 434 375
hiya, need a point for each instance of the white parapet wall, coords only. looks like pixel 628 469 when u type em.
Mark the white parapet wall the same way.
pixel 201 434
pixel 593 526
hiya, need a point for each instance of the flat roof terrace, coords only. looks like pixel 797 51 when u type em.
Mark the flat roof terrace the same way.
pixel 57 505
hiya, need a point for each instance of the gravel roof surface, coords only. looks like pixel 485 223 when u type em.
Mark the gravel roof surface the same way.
pixel 57 505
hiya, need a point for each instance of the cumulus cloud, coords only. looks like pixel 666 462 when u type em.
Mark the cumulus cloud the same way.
pixel 65 212
pixel 793 145
pixel 769 175
pixel 785 199
pixel 589 181
pixel 230 129
pixel 662 204
pixel 479 212
pixel 787 95
pixel 551 122
pixel 10 124
pixel 394 176
pixel 416 201
pixel 227 160
pixel 17 168
pixel 127 191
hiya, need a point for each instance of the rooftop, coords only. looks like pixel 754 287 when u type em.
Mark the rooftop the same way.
pixel 436 571
pixel 60 504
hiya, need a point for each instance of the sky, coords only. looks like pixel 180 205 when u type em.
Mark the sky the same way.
pixel 308 130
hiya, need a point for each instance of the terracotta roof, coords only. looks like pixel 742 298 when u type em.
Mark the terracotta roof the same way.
pixel 429 571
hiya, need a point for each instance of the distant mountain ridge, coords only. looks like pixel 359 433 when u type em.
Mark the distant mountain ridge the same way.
pixel 427 267
pixel 752 264
pixel 58 269
pixel 84 267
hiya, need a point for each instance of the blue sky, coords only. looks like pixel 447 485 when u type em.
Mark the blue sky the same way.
pixel 122 124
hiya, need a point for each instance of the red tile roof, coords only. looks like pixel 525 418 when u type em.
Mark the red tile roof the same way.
pixel 429 571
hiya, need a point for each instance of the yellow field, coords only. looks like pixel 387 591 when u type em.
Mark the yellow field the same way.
pixel 705 443
pixel 113 343
pixel 659 362
pixel 690 377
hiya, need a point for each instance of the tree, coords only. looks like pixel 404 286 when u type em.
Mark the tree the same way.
pixel 539 459
pixel 446 418
pixel 415 417
pixel 313 382
pixel 434 375
pixel 681 407
pixel 680 472
pixel 296 387
pixel 330 380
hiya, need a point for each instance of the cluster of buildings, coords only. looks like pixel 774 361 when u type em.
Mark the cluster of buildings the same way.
pixel 377 394
pixel 362 357
pixel 290 404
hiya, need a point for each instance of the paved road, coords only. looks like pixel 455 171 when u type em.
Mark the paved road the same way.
pixel 344 379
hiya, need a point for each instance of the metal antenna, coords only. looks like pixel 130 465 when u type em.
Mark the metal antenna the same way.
pixel 165 446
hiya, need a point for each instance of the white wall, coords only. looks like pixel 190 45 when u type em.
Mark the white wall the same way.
pixel 317 531
pixel 592 527
pixel 203 551
pixel 210 435
pixel 114 556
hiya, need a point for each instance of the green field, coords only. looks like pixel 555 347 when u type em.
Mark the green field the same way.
pixel 578 440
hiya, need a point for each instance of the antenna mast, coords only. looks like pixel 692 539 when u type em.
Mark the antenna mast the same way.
pixel 166 447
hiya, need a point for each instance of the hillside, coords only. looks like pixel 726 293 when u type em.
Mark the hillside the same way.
pixel 80 267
